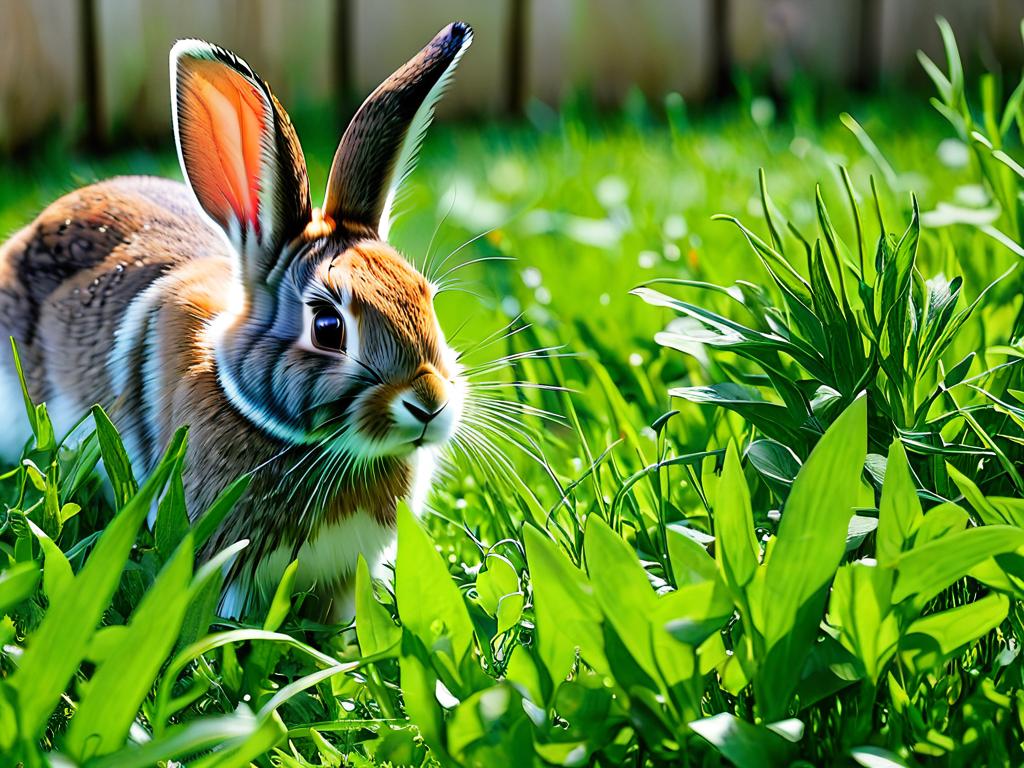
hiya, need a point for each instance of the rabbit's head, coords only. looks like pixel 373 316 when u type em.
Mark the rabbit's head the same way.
pixel 330 336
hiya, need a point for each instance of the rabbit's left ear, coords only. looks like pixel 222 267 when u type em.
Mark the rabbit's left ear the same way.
pixel 239 153
pixel 379 147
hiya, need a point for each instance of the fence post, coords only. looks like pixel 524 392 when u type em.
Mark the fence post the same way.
pixel 387 32
pixel 40 69
pixel 611 46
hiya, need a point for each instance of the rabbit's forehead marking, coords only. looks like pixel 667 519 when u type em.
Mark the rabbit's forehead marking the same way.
pixel 392 303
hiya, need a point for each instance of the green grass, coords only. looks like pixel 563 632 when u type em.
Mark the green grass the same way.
pixel 635 596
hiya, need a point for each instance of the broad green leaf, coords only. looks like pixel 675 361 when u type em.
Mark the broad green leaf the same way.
pixel 899 513
pixel 1004 573
pixel 926 570
pixel 105 642
pixel 118 687
pixel 989 514
pixel 430 605
pixel 18 583
pixel 523 671
pixel 859 528
pixel 742 743
pixel 210 520
pixel 693 612
pixel 770 418
pixel 691 563
pixel 182 741
pixel 59 644
pixel 68 511
pixel 828 669
pixel 115 458
pixel 281 603
pixel 51 501
pixel 164 706
pixel 497 579
pixel 622 590
pixel 876 757
pixel 586 704
pixel 57 574
pixel 1010 508
pixel 775 462
pixel 240 753
pixel 859 607
pixel 204 593
pixel 712 654
pixel 45 438
pixel 736 549
pixel 87 456
pixel 490 728
pixel 566 611
pixel 733 675
pixel 30 409
pixel 376 631
pixel 807 551
pixel 171 524
pixel 510 610
pixel 419 683
pixel 932 640
pixel 941 520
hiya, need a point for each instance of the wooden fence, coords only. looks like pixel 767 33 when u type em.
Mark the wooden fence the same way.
pixel 97 69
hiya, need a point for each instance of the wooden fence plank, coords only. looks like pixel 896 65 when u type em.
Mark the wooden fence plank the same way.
pixel 289 49
pixel 989 28
pixel 40 72
pixel 525 48
pixel 608 46
pixel 385 33
pixel 819 37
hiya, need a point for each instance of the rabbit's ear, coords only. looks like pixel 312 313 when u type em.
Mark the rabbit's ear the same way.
pixel 239 154
pixel 379 147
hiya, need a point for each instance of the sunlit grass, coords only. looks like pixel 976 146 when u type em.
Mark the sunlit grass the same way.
pixel 593 560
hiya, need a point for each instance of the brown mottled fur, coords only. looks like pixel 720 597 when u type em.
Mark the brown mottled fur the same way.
pixel 65 286
pixel 66 279
pixel 125 294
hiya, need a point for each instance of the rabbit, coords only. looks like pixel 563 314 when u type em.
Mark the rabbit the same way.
pixel 294 341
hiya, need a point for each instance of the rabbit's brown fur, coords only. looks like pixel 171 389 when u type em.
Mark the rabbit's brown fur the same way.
pixel 296 344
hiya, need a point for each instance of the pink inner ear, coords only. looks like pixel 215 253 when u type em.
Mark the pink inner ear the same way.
pixel 221 121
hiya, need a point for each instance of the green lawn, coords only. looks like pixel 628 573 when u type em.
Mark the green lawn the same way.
pixel 631 592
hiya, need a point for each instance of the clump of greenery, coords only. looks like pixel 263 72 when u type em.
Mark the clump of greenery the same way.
pixel 811 553
pixel 854 326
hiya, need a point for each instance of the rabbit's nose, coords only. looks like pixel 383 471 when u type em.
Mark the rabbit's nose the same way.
pixel 430 394
pixel 421 414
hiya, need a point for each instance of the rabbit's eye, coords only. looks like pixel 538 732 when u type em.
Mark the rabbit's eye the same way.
pixel 328 330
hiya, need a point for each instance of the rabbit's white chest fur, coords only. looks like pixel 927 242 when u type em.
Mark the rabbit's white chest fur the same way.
pixel 330 558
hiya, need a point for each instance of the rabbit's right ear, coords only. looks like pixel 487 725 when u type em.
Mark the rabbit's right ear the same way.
pixel 380 145
pixel 239 154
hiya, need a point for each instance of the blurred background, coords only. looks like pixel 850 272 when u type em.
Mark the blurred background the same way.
pixel 95 71
pixel 584 144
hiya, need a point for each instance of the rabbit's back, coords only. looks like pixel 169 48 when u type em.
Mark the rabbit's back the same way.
pixel 69 280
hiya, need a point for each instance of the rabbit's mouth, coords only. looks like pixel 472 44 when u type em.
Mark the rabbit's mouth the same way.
pixel 433 432
pixel 388 420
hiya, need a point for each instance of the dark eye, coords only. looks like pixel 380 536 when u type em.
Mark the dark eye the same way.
pixel 328 329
